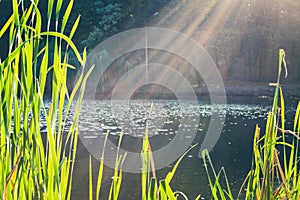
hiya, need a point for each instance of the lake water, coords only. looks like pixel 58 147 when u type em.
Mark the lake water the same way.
pixel 233 149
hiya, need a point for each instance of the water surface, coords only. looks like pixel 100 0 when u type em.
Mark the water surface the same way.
pixel 233 149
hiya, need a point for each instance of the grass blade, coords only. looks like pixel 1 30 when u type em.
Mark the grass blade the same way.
pixel 90 180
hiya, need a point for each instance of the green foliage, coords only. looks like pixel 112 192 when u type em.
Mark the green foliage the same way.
pixel 279 179
pixel 152 188
pixel 270 177
pixel 117 179
pixel 215 187
pixel 36 165
pixel 109 16
pixel 104 18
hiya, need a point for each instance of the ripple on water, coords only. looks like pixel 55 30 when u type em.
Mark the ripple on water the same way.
pixel 130 117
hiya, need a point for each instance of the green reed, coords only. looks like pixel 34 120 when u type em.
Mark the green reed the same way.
pixel 117 178
pixel 152 188
pixel 35 165
pixel 269 177
pixel 215 186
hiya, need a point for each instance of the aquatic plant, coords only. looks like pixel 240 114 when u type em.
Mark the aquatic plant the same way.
pixel 273 174
pixel 217 190
pixel 117 178
pixel 152 188
pixel 36 164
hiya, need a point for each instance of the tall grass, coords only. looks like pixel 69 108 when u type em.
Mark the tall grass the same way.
pixel 269 178
pixel 117 178
pixel 152 188
pixel 35 165
pixel 273 174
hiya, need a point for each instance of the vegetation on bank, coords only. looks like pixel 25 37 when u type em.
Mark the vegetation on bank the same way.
pixel 100 19
pixel 274 173
pixel 36 165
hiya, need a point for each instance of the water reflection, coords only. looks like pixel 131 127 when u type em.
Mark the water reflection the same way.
pixel 233 149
